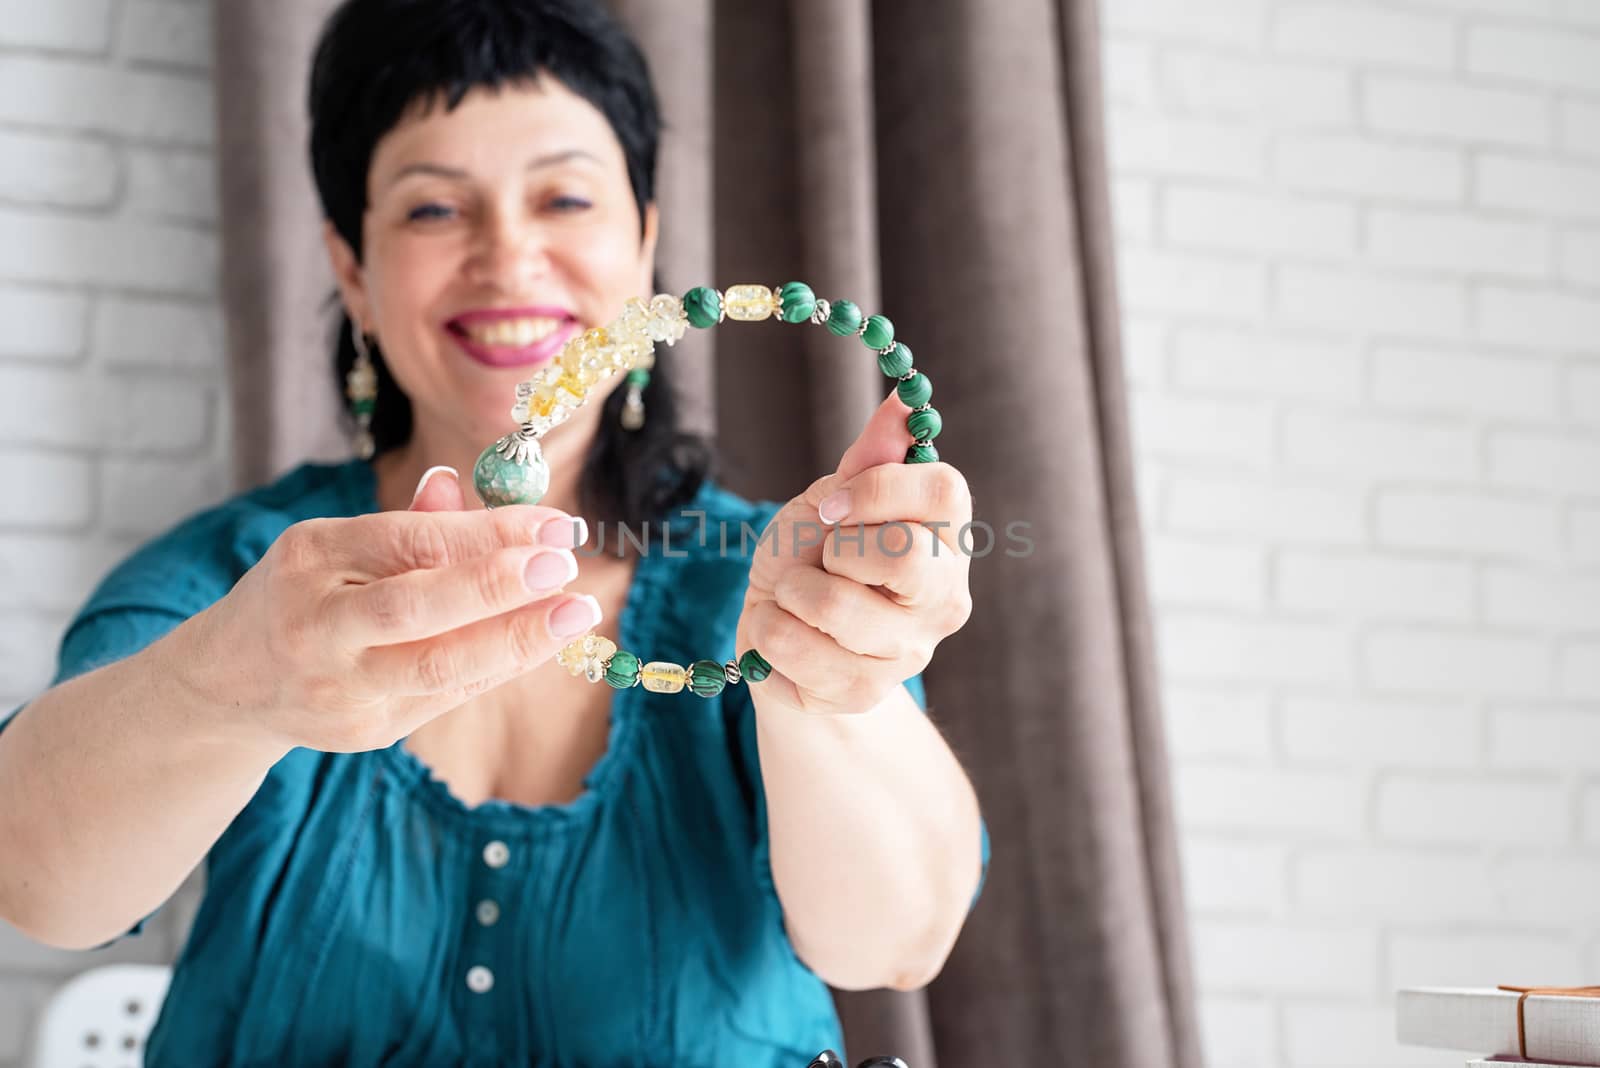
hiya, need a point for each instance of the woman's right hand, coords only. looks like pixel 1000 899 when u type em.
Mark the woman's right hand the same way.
pixel 352 633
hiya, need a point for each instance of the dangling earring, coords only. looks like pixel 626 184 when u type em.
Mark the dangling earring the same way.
pixel 633 403
pixel 361 386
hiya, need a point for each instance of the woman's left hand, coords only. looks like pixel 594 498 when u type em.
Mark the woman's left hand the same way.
pixel 845 613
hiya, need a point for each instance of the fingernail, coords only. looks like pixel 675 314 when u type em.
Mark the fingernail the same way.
pixel 834 507
pixel 564 533
pixel 429 473
pixel 575 617
pixel 550 570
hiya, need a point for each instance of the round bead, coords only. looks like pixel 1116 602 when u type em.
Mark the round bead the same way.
pixel 658 676
pixel 925 425
pixel 704 306
pixel 364 406
pixel 844 318
pixel 915 391
pixel 623 670
pixel 706 678
pixel 921 454
pixel 730 671
pixel 895 362
pixel 500 481
pixel 753 666
pixel 798 302
pixel 880 331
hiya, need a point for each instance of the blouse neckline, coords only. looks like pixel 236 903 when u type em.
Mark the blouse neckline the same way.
pixel 637 628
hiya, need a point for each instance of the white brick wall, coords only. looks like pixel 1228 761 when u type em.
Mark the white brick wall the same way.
pixel 112 416
pixel 1360 247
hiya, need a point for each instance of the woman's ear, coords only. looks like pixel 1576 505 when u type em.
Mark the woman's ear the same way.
pixel 347 273
pixel 647 250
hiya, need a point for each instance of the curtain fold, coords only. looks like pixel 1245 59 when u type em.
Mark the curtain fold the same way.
pixel 944 164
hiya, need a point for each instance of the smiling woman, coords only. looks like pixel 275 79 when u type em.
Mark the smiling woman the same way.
pixel 427 840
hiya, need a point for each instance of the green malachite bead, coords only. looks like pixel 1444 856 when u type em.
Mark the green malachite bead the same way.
pixel 895 362
pixel 703 305
pixel 844 318
pixel 623 670
pixel 639 376
pixel 364 406
pixel 706 678
pixel 925 425
pixel 798 302
pixel 753 666
pixel 880 331
pixel 915 391
pixel 921 454
pixel 500 481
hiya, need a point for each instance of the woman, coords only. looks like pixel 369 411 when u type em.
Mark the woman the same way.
pixel 426 842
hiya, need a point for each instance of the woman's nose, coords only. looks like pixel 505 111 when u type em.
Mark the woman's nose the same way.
pixel 508 253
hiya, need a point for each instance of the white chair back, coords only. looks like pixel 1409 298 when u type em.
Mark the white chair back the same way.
pixel 100 1019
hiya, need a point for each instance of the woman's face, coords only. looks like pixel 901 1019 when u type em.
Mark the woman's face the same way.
pixel 494 232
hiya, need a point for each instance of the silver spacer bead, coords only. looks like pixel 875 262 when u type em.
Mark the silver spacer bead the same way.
pixel 861 327
pixel 888 348
pixel 911 372
pixel 923 407
pixel 820 313
pixel 731 672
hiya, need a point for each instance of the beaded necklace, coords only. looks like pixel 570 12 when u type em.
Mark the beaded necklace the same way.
pixel 513 470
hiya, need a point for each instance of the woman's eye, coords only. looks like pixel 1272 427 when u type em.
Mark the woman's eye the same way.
pixel 568 203
pixel 426 212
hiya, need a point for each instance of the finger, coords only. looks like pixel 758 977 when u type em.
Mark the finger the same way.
pixel 420 604
pixel 906 559
pixel 884 440
pixel 439 490
pixel 824 672
pixel 856 617
pixel 389 543
pixel 505 645
pixel 933 492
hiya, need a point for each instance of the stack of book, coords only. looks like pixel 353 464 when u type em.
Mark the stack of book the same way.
pixel 1556 1029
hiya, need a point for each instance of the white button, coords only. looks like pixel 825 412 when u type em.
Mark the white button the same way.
pixel 479 979
pixel 488 912
pixel 496 854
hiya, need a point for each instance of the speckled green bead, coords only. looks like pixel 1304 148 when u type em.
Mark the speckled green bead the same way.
pixel 798 302
pixel 639 376
pixel 703 305
pixel 895 362
pixel 921 454
pixel 753 666
pixel 706 678
pixel 915 390
pixel 925 425
pixel 500 481
pixel 844 318
pixel 364 406
pixel 623 670
pixel 880 331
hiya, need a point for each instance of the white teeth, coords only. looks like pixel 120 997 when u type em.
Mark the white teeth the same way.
pixel 513 333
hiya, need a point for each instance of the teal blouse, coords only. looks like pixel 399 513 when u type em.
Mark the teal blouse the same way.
pixel 357 913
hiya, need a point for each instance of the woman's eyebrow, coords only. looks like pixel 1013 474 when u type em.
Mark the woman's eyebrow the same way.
pixel 439 170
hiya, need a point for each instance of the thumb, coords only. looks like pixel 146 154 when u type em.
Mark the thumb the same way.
pixel 439 491
pixel 884 440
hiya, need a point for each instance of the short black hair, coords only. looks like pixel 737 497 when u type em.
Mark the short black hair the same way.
pixel 375 59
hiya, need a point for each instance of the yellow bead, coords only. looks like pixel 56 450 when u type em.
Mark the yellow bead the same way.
pixel 574 385
pixel 542 405
pixel 750 304
pixel 661 677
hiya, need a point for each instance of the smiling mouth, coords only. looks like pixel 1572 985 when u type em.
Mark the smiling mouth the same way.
pixel 516 333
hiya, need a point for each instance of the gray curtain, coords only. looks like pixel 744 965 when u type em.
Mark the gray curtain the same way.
pixel 944 163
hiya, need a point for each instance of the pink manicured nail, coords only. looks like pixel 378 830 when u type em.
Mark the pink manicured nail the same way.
pixel 549 570
pixel 575 617
pixel 564 533
pixel 429 473
pixel 834 507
